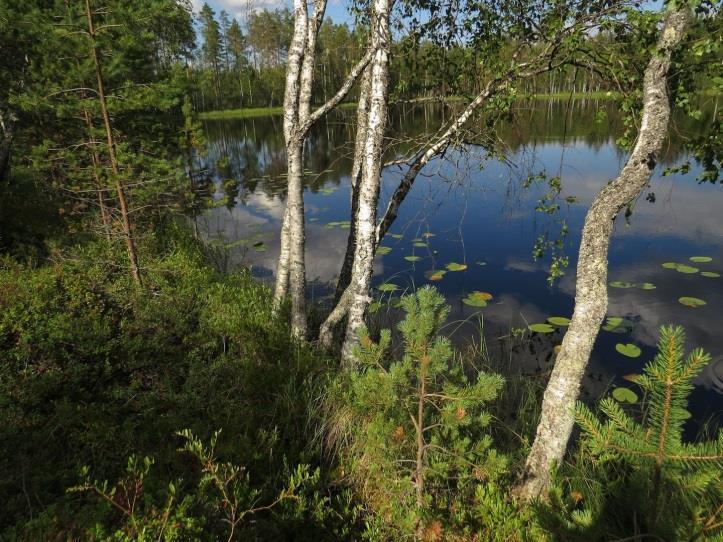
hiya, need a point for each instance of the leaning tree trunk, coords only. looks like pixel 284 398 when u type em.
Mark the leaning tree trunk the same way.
pixel 366 216
pixel 557 417
pixel 438 146
pixel 120 190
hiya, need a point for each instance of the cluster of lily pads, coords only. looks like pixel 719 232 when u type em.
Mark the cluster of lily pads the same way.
pixel 691 270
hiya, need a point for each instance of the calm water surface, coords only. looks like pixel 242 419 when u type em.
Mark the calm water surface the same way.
pixel 474 210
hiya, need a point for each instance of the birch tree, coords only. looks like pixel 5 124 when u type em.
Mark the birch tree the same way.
pixel 557 417
pixel 298 120
pixel 370 175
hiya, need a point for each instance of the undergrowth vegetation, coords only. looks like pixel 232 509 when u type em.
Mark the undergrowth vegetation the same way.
pixel 185 411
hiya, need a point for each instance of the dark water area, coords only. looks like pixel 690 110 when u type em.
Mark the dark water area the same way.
pixel 480 212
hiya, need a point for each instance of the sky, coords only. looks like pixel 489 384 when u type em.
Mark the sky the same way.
pixel 335 9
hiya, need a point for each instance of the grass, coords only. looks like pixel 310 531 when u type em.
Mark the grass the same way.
pixel 252 112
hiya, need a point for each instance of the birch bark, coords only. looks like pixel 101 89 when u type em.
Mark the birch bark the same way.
pixel 557 417
pixel 298 120
pixel 369 182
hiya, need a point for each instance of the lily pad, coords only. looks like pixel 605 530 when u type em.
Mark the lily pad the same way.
pixel 629 350
pixel 710 274
pixel 647 286
pixel 617 324
pixel 625 395
pixel 541 328
pixel 435 275
pixel 700 259
pixel 670 265
pixel 388 287
pixel 412 258
pixel 559 320
pixel 622 284
pixel 477 299
pixel 691 301
pixel 687 269
pixel 454 266
pixel 396 235
pixel 382 250
pixel 420 244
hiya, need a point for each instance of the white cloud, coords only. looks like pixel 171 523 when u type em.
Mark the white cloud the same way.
pixel 239 8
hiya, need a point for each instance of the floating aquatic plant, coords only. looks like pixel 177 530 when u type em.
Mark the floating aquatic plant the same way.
pixel 388 287
pixel 382 250
pixel 541 328
pixel 700 259
pixel 477 299
pixel 412 258
pixel 691 301
pixel 625 395
pixel 454 266
pixel 435 275
pixel 559 320
pixel 629 350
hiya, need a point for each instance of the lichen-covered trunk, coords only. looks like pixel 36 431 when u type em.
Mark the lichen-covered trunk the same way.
pixel 365 219
pixel 557 417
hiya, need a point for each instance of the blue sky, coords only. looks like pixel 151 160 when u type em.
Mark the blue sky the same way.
pixel 335 9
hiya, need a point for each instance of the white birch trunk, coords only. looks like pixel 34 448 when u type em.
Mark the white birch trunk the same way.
pixel 557 418
pixel 365 219
pixel 298 120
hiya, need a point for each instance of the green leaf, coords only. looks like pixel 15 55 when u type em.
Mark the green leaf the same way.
pixel 559 320
pixel 622 284
pixel 629 350
pixel 387 287
pixel 412 258
pixel 700 259
pixel 542 328
pixel 477 299
pixel 688 269
pixel 647 286
pixel 625 395
pixel 382 250
pixel 691 301
pixel 709 274
pixel 454 266
pixel 420 244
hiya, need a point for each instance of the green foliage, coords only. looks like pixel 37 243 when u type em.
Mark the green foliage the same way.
pixel 648 479
pixel 95 371
pixel 413 432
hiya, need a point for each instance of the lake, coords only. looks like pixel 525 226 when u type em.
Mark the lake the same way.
pixel 480 212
